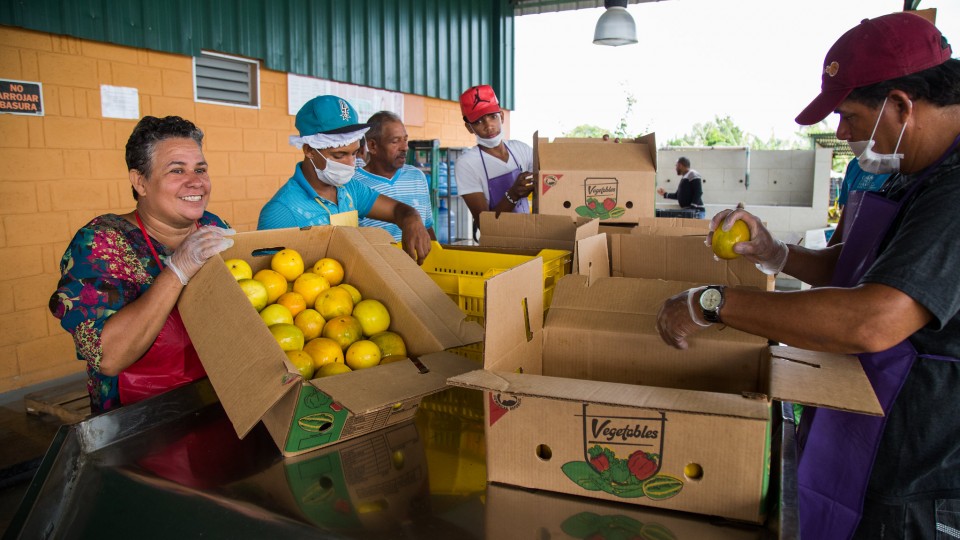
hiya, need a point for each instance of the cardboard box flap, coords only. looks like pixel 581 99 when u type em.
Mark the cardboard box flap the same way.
pixel 569 154
pixel 368 390
pixel 514 315
pixel 835 381
pixel 534 231
pixel 681 258
pixel 616 394
pixel 593 257
pixel 254 379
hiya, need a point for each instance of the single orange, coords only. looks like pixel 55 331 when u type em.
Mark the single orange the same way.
pixel 334 302
pixel 354 293
pixel 329 268
pixel 362 354
pixel 723 241
pixel 345 330
pixel 311 322
pixel 373 316
pixel 288 336
pixel 390 343
pixel 323 351
pixel 293 301
pixel 310 285
pixel 303 362
pixel 275 283
pixel 288 262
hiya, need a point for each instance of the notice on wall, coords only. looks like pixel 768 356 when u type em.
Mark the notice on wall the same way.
pixel 365 100
pixel 21 97
pixel 119 102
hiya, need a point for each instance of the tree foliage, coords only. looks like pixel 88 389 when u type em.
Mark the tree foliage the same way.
pixel 724 132
pixel 587 130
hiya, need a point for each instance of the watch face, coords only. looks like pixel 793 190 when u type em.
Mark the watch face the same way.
pixel 710 299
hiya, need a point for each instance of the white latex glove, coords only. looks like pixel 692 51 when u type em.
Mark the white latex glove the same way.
pixel 196 248
pixel 679 318
pixel 768 253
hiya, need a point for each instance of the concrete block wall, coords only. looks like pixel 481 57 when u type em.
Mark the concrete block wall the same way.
pixel 787 188
pixel 60 170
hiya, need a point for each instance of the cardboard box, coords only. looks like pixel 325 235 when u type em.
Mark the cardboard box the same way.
pixel 591 402
pixel 611 182
pixel 371 484
pixel 510 514
pixel 252 376
pixel 536 231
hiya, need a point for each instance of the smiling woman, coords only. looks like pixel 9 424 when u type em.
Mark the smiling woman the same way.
pixel 121 275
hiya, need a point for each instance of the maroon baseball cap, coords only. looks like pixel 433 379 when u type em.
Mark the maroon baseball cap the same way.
pixel 478 101
pixel 876 50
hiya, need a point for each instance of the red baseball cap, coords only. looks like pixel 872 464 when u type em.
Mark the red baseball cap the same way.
pixel 875 50
pixel 478 101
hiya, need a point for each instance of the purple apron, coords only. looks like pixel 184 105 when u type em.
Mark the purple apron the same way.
pixel 838 448
pixel 499 185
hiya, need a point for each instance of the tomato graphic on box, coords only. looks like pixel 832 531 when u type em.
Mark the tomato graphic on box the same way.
pixel 600 199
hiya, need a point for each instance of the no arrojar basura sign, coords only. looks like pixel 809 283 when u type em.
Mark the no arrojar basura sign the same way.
pixel 21 97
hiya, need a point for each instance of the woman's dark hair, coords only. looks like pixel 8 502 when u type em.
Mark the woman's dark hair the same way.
pixel 149 131
pixel 939 85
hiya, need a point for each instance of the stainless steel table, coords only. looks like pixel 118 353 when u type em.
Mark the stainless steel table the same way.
pixel 172 467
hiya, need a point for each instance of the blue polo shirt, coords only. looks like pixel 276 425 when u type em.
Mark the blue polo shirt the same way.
pixel 857 179
pixel 295 205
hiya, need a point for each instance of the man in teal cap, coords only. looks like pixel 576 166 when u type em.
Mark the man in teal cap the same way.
pixel 320 191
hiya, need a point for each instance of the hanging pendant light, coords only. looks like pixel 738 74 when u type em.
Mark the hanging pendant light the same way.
pixel 615 27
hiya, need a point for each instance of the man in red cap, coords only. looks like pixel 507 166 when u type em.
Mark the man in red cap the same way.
pixel 496 174
pixel 889 293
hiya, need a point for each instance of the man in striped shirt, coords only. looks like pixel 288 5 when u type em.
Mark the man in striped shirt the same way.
pixel 386 171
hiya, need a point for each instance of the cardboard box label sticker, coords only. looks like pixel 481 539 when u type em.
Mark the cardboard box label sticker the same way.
pixel 622 457
pixel 318 420
pixel 500 403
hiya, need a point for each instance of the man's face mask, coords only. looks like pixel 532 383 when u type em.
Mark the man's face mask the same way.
pixel 336 174
pixel 492 142
pixel 873 162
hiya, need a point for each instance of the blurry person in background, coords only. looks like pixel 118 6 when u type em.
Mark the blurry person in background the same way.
pixel 121 275
pixel 689 194
pixel 386 171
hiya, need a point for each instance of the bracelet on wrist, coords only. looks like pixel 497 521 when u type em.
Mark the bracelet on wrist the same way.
pixel 510 199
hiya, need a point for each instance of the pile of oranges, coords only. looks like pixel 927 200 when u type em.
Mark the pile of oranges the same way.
pixel 324 325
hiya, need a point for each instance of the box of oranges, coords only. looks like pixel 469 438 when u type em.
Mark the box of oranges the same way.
pixel 324 333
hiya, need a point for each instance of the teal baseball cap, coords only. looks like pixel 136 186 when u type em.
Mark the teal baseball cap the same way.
pixel 327 115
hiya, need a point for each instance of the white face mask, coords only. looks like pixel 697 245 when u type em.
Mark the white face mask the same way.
pixel 492 142
pixel 871 161
pixel 336 174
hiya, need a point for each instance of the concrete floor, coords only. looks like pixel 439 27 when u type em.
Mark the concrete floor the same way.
pixel 24 439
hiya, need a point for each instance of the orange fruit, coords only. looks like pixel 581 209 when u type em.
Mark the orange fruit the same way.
pixel 723 241
pixel 303 362
pixel 288 262
pixel 329 268
pixel 276 314
pixel 354 293
pixel 255 292
pixel 293 301
pixel 333 368
pixel 239 268
pixel 274 282
pixel 311 322
pixel 390 343
pixel 334 302
pixel 363 354
pixel 310 285
pixel 373 316
pixel 391 359
pixel 345 330
pixel 323 351
pixel 288 336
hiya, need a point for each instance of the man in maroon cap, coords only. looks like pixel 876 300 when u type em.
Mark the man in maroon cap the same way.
pixel 889 293
pixel 496 174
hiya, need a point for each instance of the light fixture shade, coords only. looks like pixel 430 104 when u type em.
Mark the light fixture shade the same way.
pixel 615 27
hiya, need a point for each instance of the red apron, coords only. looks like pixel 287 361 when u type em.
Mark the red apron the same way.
pixel 170 362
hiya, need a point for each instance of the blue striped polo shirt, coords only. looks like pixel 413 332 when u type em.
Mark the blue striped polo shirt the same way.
pixel 408 185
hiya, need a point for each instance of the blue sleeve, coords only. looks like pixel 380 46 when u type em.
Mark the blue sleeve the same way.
pixel 276 216
pixel 363 197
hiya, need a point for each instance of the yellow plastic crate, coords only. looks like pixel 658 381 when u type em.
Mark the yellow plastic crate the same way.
pixel 462 272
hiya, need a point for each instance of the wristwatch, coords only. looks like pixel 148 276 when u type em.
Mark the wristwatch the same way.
pixel 711 300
